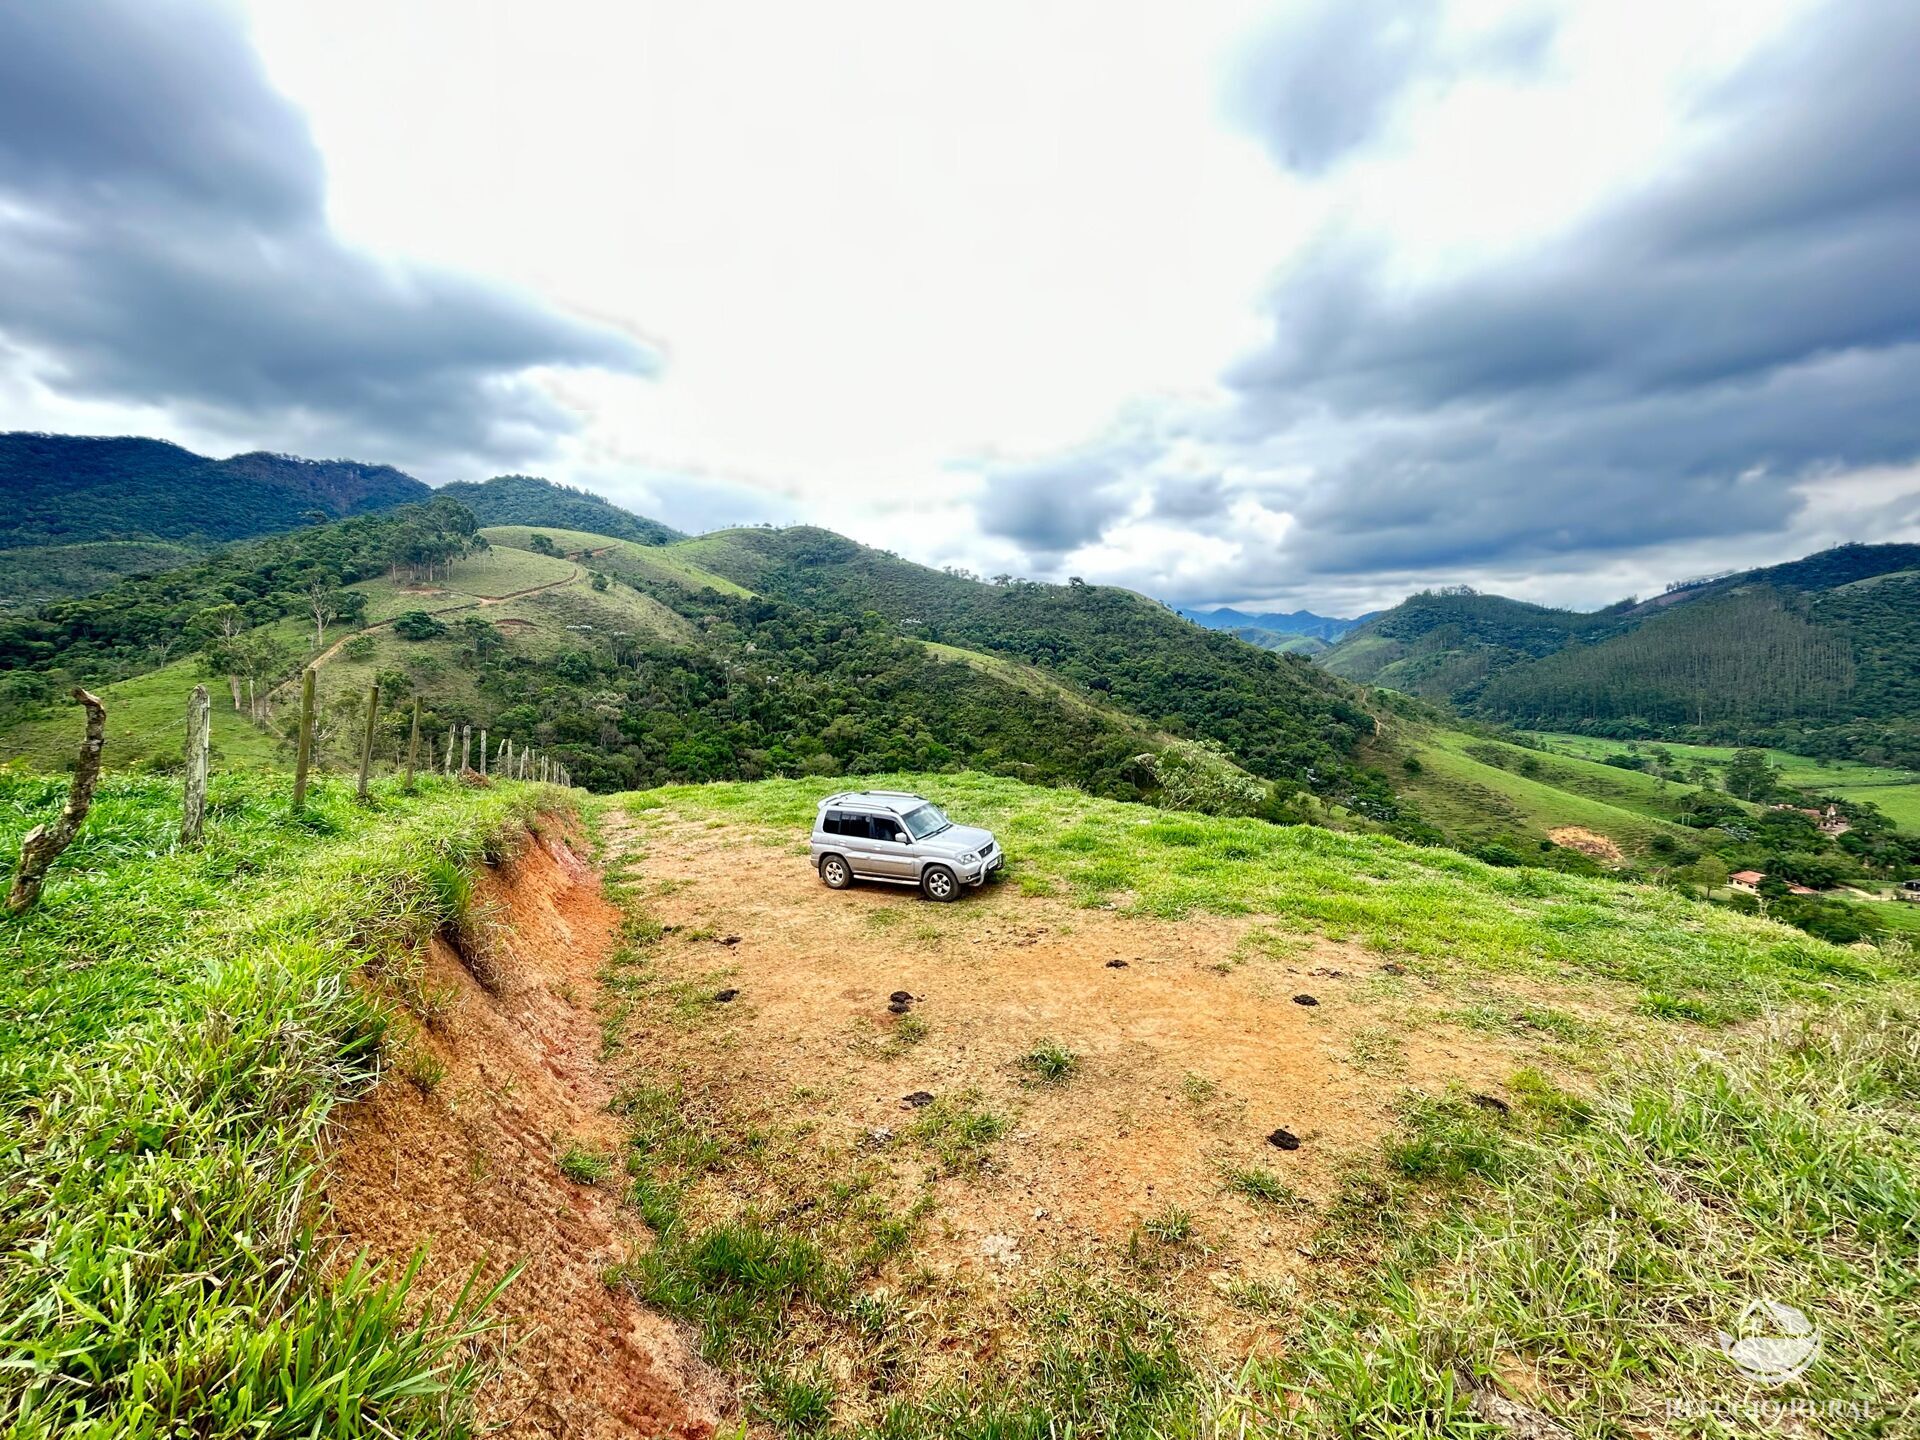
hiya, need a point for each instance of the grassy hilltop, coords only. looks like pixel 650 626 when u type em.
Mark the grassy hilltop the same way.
pixel 178 1027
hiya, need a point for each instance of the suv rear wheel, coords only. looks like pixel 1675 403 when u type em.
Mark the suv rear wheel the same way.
pixel 940 883
pixel 836 872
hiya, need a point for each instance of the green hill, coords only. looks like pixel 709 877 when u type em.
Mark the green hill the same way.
pixel 65 489
pixel 1818 656
pixel 1197 1116
pixel 1277 716
pixel 630 662
pixel 529 500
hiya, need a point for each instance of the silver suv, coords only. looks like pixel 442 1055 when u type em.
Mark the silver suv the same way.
pixel 902 839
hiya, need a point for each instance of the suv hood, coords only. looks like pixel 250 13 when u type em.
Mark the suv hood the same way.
pixel 958 841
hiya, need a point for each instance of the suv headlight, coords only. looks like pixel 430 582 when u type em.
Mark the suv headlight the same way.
pixel 969 858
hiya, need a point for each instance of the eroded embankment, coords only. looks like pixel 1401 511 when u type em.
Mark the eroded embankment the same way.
pixel 457 1152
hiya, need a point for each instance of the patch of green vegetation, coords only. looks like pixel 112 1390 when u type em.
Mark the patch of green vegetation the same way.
pixel 527 500
pixel 1478 791
pixel 1262 1186
pixel 959 1129
pixel 1050 1062
pixel 146 727
pixel 584 1165
pixel 175 1026
pixel 1603 1242
pixel 1169 1225
pixel 36 574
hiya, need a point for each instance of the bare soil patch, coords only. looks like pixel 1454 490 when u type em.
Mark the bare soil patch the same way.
pixel 1588 843
pixel 1190 1054
pixel 468 1168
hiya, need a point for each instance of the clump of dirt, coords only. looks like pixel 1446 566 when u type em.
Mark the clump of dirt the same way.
pixel 1588 843
pixel 466 1166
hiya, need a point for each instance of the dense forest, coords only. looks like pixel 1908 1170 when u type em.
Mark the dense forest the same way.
pixel 776 689
pixel 529 500
pixel 1747 657
pixel 35 574
pixel 65 489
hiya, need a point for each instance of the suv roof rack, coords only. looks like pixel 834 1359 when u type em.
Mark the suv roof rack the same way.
pixel 868 797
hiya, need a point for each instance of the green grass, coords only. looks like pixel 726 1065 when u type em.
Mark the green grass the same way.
pixel 1899 803
pixel 1598 1243
pixel 1452 913
pixel 670 564
pixel 1262 1186
pixel 175 1027
pixel 499 572
pixel 146 726
pixel 1798 770
pixel 1475 802
pixel 584 1166
pixel 1050 1062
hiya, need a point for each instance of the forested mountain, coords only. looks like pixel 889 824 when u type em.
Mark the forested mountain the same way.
pixel 529 500
pixel 1277 715
pixel 1291 622
pixel 63 489
pixel 1820 655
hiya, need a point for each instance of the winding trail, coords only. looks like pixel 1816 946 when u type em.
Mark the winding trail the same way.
pixel 477 602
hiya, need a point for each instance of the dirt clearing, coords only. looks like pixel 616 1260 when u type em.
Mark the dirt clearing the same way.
pixel 1594 846
pixel 1108 1078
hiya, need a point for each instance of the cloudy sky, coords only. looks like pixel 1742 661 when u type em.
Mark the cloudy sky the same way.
pixel 1299 304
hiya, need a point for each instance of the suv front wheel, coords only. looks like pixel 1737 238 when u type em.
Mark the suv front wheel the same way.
pixel 940 883
pixel 836 872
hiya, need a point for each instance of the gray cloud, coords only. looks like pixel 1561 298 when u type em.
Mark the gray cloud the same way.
pixel 1683 367
pixel 163 240
pixel 1325 77
pixel 1050 509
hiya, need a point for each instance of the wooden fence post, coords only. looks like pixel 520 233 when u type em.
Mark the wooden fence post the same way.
pixel 193 810
pixel 44 843
pixel 413 745
pixel 466 748
pixel 483 752
pixel 303 746
pixel 366 742
pixel 451 729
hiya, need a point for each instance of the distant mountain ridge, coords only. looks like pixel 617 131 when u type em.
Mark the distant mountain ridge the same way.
pixel 70 489
pixel 1292 622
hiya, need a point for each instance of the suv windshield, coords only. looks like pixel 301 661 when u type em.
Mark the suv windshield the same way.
pixel 925 821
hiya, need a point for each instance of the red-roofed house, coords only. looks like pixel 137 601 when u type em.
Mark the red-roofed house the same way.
pixel 1747 880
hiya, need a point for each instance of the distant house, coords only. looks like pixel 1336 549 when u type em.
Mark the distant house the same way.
pixel 1746 880
pixel 1832 822
pixel 1800 890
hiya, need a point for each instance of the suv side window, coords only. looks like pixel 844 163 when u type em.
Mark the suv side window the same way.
pixel 835 823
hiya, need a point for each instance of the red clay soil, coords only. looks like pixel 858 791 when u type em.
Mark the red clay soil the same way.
pixel 470 1170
